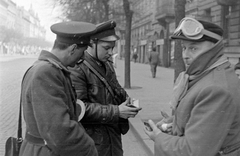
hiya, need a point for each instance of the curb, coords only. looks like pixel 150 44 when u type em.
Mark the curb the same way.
pixel 136 126
pixel 4 58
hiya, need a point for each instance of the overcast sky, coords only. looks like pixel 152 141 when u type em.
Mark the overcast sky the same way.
pixel 46 12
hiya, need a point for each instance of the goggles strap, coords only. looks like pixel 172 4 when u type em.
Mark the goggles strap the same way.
pixel 211 34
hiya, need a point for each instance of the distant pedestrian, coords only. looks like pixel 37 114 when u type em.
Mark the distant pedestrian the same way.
pixel 135 55
pixel 153 61
pixel 49 100
pixel 206 98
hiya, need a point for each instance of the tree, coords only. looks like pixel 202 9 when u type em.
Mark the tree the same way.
pixel 9 34
pixel 128 16
pixel 178 61
pixel 34 41
pixel 93 11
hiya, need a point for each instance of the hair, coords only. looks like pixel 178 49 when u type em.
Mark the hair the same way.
pixel 154 49
pixel 60 45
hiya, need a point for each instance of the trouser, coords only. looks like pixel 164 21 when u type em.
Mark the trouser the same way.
pixel 154 70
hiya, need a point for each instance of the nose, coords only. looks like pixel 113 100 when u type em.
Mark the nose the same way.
pixel 110 51
pixel 184 54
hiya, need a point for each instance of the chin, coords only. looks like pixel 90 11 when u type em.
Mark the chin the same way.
pixel 187 65
pixel 72 65
pixel 104 60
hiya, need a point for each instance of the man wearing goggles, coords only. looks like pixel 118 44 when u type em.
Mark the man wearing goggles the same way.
pixel 205 100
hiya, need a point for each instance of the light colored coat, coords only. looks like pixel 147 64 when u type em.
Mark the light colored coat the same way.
pixel 207 117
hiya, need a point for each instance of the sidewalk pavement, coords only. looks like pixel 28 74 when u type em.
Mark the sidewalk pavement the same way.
pixel 153 93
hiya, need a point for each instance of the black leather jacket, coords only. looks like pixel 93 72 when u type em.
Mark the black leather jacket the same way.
pixel 101 119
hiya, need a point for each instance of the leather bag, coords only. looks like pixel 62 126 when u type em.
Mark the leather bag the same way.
pixel 12 147
pixel 13 144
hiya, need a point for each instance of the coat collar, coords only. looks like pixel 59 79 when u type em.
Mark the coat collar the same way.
pixel 99 66
pixel 205 60
pixel 51 58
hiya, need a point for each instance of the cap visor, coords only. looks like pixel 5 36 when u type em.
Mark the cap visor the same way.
pixel 185 38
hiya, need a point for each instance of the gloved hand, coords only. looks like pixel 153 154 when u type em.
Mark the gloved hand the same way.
pixel 165 125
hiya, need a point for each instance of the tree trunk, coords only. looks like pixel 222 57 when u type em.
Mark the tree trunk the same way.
pixel 128 15
pixel 178 61
pixel 106 6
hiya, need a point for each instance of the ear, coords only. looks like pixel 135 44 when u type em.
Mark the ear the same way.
pixel 72 48
pixel 91 43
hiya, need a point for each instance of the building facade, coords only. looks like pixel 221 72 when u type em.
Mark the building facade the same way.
pixel 154 22
pixel 141 28
pixel 20 20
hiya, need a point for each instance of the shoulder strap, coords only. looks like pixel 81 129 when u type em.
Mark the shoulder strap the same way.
pixel 19 135
pixel 100 77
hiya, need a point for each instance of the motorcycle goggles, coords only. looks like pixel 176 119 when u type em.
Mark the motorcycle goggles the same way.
pixel 193 30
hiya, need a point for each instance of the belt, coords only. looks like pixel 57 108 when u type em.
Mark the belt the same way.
pixel 35 140
pixel 229 149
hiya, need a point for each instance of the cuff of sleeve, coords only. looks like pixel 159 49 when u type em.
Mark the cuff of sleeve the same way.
pixel 83 109
pixel 110 113
pixel 116 113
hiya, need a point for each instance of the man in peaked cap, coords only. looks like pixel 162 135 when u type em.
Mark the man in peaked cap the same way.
pixel 206 101
pixel 49 101
pixel 94 78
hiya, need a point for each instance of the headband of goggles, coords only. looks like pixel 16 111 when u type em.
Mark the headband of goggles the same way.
pixel 193 29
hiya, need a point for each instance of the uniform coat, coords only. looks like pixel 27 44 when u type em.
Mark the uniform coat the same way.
pixel 154 58
pixel 101 119
pixel 207 118
pixel 51 113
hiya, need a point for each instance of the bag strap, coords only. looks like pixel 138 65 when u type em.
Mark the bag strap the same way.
pixel 19 135
pixel 100 77
pixel 229 149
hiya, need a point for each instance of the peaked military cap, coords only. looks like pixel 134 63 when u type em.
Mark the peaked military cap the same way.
pixel 105 32
pixel 73 32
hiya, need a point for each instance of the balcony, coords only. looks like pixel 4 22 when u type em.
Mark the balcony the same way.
pixel 191 6
pixel 164 10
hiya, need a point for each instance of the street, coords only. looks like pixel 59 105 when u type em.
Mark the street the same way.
pixel 11 73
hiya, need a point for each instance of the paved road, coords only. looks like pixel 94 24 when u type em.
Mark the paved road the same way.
pixel 11 73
